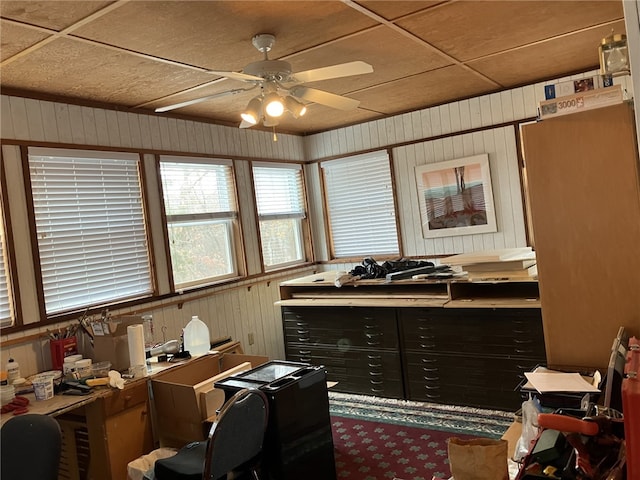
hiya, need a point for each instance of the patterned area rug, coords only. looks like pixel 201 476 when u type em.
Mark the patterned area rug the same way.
pixel 382 439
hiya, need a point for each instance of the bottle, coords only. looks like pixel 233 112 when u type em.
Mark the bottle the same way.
pixel 13 371
pixel 196 337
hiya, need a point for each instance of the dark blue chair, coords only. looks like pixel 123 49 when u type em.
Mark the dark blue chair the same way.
pixel 234 443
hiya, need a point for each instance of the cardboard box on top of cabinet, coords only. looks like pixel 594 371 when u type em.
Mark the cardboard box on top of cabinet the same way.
pixel 110 341
pixel 556 90
pixel 579 102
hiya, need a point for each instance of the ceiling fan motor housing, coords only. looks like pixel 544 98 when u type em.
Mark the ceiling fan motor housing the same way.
pixel 269 70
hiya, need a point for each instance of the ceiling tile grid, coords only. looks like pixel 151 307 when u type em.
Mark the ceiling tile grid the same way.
pixel 147 54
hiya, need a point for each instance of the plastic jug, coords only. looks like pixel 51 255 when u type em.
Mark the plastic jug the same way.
pixel 196 337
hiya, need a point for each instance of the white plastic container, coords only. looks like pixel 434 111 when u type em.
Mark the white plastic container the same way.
pixel 83 368
pixel 196 337
pixel 13 371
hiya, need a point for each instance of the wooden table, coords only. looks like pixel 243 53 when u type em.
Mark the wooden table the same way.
pixel 116 424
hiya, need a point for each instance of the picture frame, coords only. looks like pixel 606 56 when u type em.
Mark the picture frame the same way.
pixel 456 197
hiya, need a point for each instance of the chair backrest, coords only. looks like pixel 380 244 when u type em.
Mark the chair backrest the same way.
pixel 30 447
pixel 237 435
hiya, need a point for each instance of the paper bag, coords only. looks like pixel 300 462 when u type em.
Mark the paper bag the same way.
pixel 478 459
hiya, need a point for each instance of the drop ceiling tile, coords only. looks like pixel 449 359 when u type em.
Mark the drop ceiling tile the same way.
pixel 79 70
pixel 375 46
pixel 421 91
pixel 217 34
pixel 396 9
pixel 543 61
pixel 471 29
pixel 15 38
pixel 55 15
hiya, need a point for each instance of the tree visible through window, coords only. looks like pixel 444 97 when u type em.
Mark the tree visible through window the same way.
pixel 281 211
pixel 201 211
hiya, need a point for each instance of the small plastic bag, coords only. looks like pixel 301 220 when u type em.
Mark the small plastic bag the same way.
pixel 530 410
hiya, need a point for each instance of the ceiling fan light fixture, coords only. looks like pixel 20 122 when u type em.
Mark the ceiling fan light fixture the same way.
pixel 273 105
pixel 297 109
pixel 253 111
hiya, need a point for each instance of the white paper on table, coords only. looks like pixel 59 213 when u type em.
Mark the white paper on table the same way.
pixel 559 382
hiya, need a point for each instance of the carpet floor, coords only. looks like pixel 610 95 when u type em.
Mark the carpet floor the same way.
pixel 382 439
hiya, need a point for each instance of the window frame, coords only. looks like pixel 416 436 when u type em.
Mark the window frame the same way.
pixel 40 288
pixel 331 236
pixel 235 242
pixel 9 259
pixel 304 231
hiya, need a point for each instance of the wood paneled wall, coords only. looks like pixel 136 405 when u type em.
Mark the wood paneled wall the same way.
pixel 248 307
pixel 434 135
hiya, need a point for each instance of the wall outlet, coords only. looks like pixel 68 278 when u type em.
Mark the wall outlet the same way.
pixel 251 339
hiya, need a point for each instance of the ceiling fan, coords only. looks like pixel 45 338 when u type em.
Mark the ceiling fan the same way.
pixel 281 90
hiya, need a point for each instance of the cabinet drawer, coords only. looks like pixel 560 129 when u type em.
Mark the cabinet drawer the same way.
pixel 494 397
pixel 362 371
pixel 341 327
pixel 120 400
pixel 509 332
pixel 456 379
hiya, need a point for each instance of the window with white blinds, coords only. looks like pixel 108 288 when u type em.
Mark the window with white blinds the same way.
pixel 359 195
pixel 6 311
pixel 90 227
pixel 202 215
pixel 281 210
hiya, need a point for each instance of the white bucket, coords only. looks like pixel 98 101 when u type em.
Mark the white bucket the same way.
pixel 43 387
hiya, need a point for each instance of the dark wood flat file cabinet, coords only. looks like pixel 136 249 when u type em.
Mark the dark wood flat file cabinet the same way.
pixel 359 346
pixel 470 347
pixel 470 357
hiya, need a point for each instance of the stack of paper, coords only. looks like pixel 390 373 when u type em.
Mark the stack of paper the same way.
pixel 510 263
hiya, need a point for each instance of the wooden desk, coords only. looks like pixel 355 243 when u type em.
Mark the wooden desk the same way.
pixel 116 423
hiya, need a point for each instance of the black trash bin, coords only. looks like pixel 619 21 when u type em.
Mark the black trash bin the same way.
pixel 298 442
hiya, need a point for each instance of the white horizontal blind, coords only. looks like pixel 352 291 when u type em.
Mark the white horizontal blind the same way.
pixel 281 210
pixel 6 317
pixel 201 210
pixel 90 227
pixel 360 203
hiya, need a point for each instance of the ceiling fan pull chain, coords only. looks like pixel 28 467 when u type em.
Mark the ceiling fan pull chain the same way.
pixel 275 135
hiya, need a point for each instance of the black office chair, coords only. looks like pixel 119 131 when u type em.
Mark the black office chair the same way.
pixel 30 446
pixel 234 443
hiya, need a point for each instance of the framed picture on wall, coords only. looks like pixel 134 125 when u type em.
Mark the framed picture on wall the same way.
pixel 455 197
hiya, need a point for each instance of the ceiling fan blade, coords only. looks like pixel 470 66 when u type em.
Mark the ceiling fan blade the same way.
pixel 334 71
pixel 201 99
pixel 238 76
pixel 324 98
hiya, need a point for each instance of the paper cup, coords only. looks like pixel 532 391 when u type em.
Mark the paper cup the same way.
pixel 43 387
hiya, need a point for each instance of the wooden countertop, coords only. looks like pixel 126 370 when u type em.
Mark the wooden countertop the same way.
pixel 61 404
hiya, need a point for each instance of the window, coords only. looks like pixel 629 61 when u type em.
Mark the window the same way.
pixel 90 227
pixel 359 195
pixel 281 212
pixel 6 311
pixel 200 205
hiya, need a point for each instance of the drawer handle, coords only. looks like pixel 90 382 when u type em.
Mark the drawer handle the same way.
pixel 374 357
pixel 305 359
pixel 376 382
pixel 127 398
pixel 431 379
pixel 375 365
pixel 375 374
pixel 428 345
pixel 304 352
pixel 428 360
pixel 424 369
pixel 432 397
pixel 427 328
pixel 437 387
pixel 518 350
pixel 522 341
